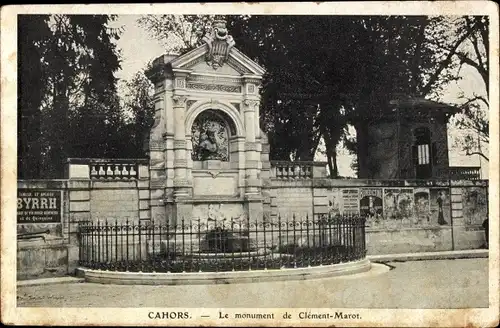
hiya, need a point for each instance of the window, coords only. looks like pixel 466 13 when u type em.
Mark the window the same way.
pixel 423 154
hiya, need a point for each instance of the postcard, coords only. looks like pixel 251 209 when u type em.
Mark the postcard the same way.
pixel 250 164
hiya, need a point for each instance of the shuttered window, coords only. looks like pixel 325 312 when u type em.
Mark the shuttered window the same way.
pixel 423 154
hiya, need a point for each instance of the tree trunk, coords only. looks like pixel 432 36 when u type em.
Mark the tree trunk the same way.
pixel 363 153
pixel 332 165
pixel 60 140
pixel 331 154
pixel 307 148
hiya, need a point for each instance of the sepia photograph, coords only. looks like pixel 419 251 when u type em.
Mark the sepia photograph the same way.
pixel 250 164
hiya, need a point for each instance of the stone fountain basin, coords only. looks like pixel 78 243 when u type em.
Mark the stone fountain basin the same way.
pixel 207 244
pixel 231 255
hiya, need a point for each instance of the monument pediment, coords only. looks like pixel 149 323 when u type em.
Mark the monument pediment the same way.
pixel 198 61
pixel 216 59
pixel 201 66
pixel 217 55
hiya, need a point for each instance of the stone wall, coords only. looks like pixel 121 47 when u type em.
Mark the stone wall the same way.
pixel 290 198
pixel 47 254
pixel 95 190
pixel 95 195
pixel 114 200
pixel 469 204
pixel 402 215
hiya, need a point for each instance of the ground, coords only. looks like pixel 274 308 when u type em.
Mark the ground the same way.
pixel 456 283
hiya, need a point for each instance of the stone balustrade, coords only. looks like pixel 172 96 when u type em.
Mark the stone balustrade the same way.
pixel 461 173
pixel 464 172
pixel 105 169
pixel 298 169
pixel 310 169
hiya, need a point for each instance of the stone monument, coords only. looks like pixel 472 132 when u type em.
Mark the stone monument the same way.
pixel 206 148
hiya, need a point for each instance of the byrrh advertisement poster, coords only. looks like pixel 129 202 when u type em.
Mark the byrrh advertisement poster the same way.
pixel 38 206
pixel 307 164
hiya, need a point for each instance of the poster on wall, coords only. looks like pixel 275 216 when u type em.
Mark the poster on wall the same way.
pixel 398 204
pixel 370 205
pixel 475 205
pixel 350 200
pixel 440 206
pixel 334 202
pixel 38 206
pixel 422 206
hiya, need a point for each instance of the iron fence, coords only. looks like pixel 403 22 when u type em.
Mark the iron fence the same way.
pixel 221 245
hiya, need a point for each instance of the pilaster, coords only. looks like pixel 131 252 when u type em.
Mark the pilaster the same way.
pixel 181 183
pixel 252 156
pixel 157 169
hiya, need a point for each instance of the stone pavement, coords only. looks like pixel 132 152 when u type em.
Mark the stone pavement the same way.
pixel 442 255
pixel 452 283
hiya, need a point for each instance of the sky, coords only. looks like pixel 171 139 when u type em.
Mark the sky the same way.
pixel 138 48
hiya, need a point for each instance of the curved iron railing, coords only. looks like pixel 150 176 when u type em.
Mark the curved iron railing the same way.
pixel 221 245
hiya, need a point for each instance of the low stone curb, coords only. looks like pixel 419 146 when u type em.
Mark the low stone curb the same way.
pixel 445 255
pixel 229 277
pixel 49 281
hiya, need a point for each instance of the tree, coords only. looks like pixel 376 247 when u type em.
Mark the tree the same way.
pixel 290 112
pixel 178 33
pixel 324 72
pixel 394 57
pixel 345 68
pixel 77 60
pixel 139 109
pixel 33 36
pixel 473 50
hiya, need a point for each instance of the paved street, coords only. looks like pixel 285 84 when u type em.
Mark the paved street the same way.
pixel 415 284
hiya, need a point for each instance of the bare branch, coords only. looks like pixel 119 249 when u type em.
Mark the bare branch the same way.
pixel 444 64
pixel 477 153
pixel 477 66
pixel 471 100
pixel 475 44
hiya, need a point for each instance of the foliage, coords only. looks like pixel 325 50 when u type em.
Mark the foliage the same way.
pixel 324 72
pixel 139 108
pixel 75 109
pixel 34 34
pixel 473 32
pixel 178 33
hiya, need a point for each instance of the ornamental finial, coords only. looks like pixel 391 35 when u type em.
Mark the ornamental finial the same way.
pixel 219 44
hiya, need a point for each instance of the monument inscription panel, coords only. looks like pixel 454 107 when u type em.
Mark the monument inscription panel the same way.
pixel 206 185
